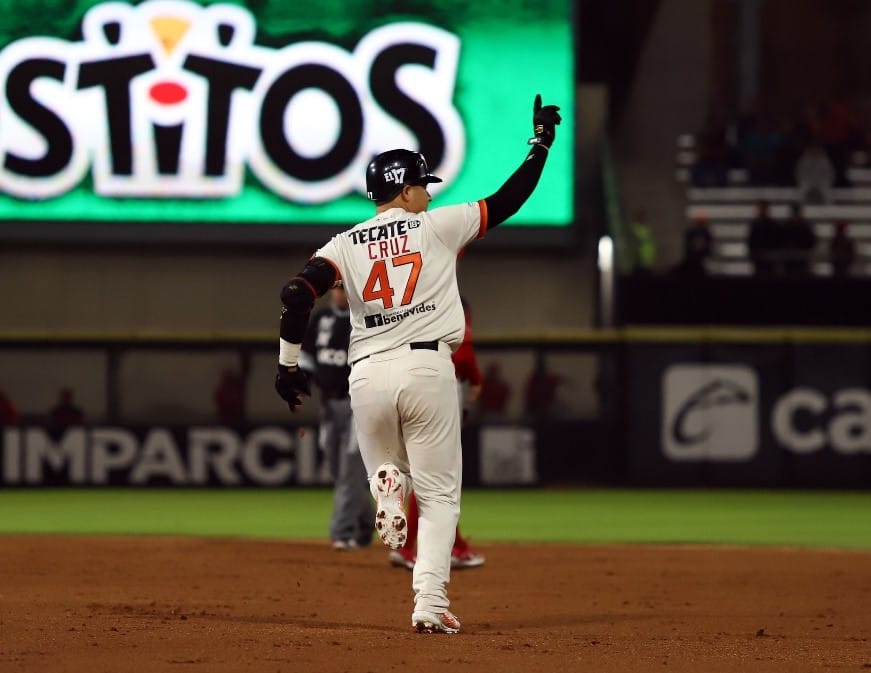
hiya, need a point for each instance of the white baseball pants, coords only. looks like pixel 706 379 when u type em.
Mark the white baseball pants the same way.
pixel 406 410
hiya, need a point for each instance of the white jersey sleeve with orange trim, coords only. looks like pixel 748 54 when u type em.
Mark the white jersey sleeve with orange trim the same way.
pixel 458 225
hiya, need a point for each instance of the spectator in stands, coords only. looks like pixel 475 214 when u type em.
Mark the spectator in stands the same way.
pixel 835 132
pixel 697 247
pixel 799 241
pixel 230 398
pixel 711 167
pixel 8 410
pixel 815 175
pixel 842 250
pixel 495 392
pixel 760 142
pixel 65 413
pixel 764 241
pixel 796 136
pixel 643 247
pixel 541 389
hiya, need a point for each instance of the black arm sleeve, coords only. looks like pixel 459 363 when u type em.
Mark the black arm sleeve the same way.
pixel 298 296
pixel 517 189
pixel 308 339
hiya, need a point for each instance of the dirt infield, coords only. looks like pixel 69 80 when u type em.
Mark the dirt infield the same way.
pixel 181 604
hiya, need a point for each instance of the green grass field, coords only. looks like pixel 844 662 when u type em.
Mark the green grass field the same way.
pixel 790 518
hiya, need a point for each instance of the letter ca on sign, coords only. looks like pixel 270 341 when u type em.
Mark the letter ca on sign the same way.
pixel 841 421
pixel 171 99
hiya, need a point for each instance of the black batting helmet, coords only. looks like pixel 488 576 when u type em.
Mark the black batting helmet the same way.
pixel 390 170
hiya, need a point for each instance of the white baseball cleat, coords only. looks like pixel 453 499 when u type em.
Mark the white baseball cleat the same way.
pixel 390 519
pixel 430 622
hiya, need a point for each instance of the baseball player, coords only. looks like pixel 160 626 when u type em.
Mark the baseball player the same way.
pixel 468 372
pixel 324 356
pixel 399 270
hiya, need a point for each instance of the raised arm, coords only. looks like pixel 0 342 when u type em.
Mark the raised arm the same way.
pixel 519 187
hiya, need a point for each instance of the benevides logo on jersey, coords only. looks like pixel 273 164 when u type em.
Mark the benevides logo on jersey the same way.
pixel 710 412
pixel 171 99
pixel 381 319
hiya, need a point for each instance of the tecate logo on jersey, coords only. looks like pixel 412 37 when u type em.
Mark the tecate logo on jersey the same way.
pixel 171 99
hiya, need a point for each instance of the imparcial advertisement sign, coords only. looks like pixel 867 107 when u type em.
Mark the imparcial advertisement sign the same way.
pixel 268 112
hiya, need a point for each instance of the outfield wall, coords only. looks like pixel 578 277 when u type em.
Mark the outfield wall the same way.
pixel 677 407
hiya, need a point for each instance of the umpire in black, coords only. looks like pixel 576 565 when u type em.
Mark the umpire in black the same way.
pixel 324 354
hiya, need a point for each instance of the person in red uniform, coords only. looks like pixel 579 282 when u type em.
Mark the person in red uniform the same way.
pixel 8 410
pixel 466 368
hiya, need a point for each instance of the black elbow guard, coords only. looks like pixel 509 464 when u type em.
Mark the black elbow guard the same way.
pixel 320 274
pixel 298 296
pixel 316 278
pixel 297 299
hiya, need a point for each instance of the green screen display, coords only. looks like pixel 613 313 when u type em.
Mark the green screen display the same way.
pixel 268 111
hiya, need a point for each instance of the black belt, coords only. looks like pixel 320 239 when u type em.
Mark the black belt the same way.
pixel 414 345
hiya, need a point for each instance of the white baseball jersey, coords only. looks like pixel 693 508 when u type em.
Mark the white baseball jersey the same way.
pixel 399 271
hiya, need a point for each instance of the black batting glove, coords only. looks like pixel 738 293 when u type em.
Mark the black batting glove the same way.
pixel 544 121
pixel 290 383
